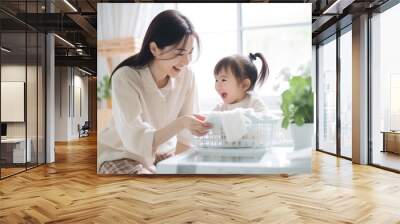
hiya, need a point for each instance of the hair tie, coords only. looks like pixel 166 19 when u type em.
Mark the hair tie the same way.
pixel 252 57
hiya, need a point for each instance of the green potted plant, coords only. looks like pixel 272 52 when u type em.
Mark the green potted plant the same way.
pixel 298 110
pixel 104 90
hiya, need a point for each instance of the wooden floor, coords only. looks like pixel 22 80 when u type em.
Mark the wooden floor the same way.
pixel 10 171
pixel 69 191
pixel 387 159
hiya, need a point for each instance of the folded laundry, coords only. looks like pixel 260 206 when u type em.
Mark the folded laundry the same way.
pixel 233 123
pixel 238 128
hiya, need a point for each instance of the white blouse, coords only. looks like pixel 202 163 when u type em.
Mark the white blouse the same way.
pixel 139 108
pixel 250 101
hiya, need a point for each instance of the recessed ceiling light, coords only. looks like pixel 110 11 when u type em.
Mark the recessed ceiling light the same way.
pixel 70 5
pixel 5 49
pixel 338 6
pixel 84 71
pixel 64 40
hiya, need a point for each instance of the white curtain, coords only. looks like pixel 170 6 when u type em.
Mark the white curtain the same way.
pixel 121 20
pixel 124 19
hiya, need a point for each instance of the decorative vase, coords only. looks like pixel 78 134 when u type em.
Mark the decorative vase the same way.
pixel 302 135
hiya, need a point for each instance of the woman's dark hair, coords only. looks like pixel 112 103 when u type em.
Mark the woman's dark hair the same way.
pixel 244 68
pixel 169 27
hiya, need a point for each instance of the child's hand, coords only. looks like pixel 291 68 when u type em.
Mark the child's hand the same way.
pixel 196 124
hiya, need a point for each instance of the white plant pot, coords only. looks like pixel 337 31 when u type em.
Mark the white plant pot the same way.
pixel 302 135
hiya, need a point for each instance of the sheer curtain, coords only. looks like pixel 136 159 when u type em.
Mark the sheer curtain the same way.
pixel 122 20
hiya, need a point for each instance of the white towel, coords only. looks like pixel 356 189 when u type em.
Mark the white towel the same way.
pixel 234 123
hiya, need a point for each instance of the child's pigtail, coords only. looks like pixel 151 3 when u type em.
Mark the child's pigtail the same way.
pixel 264 73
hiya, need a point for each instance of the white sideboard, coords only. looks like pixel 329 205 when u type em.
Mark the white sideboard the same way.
pixel 18 149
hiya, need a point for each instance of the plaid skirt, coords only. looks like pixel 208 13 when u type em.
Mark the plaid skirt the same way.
pixel 121 166
pixel 128 166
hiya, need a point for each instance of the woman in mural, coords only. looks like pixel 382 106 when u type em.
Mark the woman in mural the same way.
pixel 154 98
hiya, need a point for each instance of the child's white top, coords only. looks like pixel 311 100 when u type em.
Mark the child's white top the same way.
pixel 139 108
pixel 250 101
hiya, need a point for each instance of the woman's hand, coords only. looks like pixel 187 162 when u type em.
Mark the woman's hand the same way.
pixel 196 124
pixel 163 155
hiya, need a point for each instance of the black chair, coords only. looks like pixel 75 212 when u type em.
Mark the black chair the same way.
pixel 84 130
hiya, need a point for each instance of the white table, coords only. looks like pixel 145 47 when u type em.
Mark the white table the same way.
pixel 276 160
pixel 18 149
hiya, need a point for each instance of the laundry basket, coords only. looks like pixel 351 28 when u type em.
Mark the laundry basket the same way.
pixel 259 135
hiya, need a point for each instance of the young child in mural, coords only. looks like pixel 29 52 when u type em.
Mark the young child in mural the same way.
pixel 235 78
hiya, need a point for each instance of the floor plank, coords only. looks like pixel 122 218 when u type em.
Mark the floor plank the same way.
pixel 69 191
